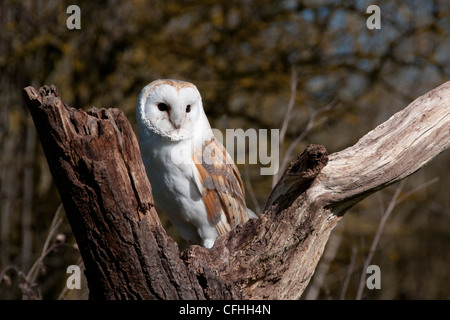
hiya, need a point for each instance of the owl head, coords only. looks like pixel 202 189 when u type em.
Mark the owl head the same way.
pixel 171 109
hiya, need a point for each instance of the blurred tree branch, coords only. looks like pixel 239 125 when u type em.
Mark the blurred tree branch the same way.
pixel 95 162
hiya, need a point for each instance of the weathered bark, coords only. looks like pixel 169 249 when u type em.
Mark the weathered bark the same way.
pixel 95 161
pixel 96 164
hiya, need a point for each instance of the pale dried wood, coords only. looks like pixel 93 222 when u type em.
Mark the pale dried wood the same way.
pixel 96 165
pixel 392 151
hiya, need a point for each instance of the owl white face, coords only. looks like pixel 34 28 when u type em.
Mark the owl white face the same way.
pixel 170 108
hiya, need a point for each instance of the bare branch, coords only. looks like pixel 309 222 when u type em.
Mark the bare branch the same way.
pixel 47 248
pixel 287 115
pixel 389 153
pixel 376 239
pixel 396 199
pixel 348 274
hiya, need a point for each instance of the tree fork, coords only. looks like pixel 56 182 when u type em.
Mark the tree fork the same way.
pixel 96 164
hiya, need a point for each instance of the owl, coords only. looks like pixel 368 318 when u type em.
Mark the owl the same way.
pixel 195 183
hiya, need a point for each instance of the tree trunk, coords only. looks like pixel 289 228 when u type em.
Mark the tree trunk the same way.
pixel 96 164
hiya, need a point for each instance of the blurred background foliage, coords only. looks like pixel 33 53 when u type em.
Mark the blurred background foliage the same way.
pixel 243 56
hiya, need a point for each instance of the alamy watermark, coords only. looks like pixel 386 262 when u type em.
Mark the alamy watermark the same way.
pixel 240 144
pixel 259 148
pixel 74 20
pixel 74 280
pixel 374 21
pixel 374 280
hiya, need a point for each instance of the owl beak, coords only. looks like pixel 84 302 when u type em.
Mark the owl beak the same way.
pixel 177 122
pixel 177 119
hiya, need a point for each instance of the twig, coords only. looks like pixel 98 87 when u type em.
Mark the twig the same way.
pixel 419 187
pixel 301 136
pixel 394 201
pixel 11 267
pixel 348 274
pixel 37 266
pixel 376 239
pixel 287 115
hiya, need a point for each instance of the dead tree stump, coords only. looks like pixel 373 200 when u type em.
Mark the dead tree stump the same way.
pixel 96 164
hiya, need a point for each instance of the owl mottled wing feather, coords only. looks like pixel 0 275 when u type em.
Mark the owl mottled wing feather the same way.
pixel 221 186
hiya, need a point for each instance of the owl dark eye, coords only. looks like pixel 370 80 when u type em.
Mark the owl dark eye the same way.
pixel 188 108
pixel 163 107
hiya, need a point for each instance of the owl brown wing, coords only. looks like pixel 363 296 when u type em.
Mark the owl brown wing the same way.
pixel 221 186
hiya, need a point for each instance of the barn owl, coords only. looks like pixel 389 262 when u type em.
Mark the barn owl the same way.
pixel 194 180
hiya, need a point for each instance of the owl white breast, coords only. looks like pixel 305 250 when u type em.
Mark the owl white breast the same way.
pixel 194 180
